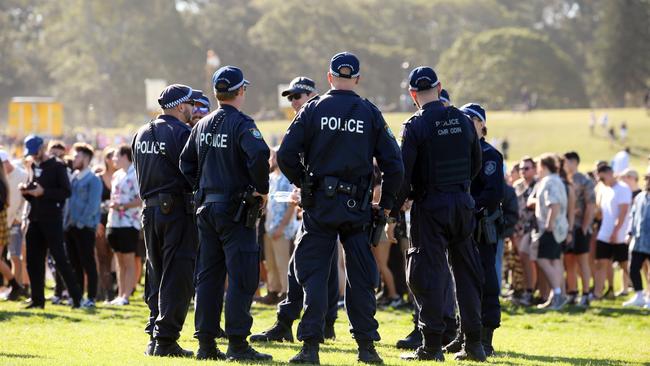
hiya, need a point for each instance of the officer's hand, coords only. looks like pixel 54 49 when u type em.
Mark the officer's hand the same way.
pixel 295 197
pixel 407 205
pixel 390 233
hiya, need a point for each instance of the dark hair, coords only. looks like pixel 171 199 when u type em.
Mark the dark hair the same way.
pixel 527 159
pixel 84 148
pixel 125 149
pixel 605 168
pixel 227 95
pixel 572 155
pixel 56 144
pixel 549 161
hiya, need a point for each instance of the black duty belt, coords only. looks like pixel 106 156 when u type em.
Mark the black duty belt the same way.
pixel 341 187
pixel 217 198
pixel 155 201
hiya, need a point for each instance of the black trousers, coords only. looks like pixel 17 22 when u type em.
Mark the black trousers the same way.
pixel 80 245
pixel 636 263
pixel 226 248
pixel 490 306
pixel 441 223
pixel 41 236
pixel 171 241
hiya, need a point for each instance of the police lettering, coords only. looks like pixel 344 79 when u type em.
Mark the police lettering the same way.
pixel 150 147
pixel 333 123
pixel 218 140
pixel 451 122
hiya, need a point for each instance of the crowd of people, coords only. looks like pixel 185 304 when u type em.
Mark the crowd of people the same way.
pixel 560 232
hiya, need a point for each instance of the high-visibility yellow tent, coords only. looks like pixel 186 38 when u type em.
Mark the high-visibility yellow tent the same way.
pixel 39 115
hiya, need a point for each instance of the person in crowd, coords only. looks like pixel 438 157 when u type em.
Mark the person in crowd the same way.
pixel 510 208
pixel 103 251
pixel 631 178
pixel 123 227
pixel 640 243
pixel 576 257
pixel 614 202
pixel 82 218
pixel 522 237
pixel 15 175
pixel 550 202
pixel 16 288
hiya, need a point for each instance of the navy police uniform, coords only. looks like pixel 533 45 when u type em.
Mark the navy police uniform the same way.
pixel 169 231
pixel 441 155
pixel 488 192
pixel 337 135
pixel 230 151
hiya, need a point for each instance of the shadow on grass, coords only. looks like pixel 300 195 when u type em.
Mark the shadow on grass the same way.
pixel 8 315
pixel 538 359
pixel 598 310
pixel 17 355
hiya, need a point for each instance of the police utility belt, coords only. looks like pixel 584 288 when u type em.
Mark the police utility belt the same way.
pixel 488 227
pixel 169 201
pixel 358 196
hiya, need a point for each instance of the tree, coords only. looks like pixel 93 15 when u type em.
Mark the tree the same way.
pixel 497 67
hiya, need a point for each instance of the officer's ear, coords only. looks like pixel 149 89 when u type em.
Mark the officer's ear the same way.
pixel 356 82
pixel 439 88
pixel 330 78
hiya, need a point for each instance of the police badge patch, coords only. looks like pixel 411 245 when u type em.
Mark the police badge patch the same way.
pixel 389 131
pixel 490 167
pixel 256 133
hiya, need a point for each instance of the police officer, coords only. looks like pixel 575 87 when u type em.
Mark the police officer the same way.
pixel 488 191
pixel 441 155
pixel 300 90
pixel 169 230
pixel 226 159
pixel 201 107
pixel 337 135
pixel 414 339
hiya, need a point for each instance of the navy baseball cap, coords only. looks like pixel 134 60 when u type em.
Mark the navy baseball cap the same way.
pixel 33 143
pixel 444 96
pixel 199 97
pixel 300 84
pixel 174 95
pixel 344 59
pixel 474 110
pixel 423 78
pixel 228 78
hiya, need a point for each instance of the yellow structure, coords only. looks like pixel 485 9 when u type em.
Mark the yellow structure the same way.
pixel 35 115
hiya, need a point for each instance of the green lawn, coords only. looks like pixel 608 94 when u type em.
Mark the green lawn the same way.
pixel 606 334
pixel 546 131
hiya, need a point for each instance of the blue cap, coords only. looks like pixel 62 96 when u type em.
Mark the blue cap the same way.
pixel 174 95
pixel 33 143
pixel 423 78
pixel 344 59
pixel 444 96
pixel 300 84
pixel 199 97
pixel 228 78
pixel 474 110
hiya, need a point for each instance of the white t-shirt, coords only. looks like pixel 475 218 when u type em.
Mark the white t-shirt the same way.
pixel 609 203
pixel 621 162
pixel 16 200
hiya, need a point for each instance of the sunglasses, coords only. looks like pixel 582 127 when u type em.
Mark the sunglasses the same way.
pixel 525 168
pixel 295 96
pixel 200 109
pixel 189 102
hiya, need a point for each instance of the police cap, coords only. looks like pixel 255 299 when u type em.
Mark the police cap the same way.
pixel 300 84
pixel 228 78
pixel 444 96
pixel 174 95
pixel 423 78
pixel 474 110
pixel 344 60
pixel 199 97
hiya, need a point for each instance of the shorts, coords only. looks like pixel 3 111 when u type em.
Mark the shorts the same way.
pixel 616 252
pixel 4 228
pixel 15 241
pixel 548 247
pixel 123 239
pixel 580 242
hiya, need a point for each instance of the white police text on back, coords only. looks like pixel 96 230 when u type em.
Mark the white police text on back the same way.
pixel 150 147
pixel 334 123
pixel 218 140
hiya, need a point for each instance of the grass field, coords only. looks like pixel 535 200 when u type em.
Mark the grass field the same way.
pixel 606 334
pixel 545 131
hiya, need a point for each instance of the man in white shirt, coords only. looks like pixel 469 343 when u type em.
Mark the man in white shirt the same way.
pixel 15 175
pixel 614 202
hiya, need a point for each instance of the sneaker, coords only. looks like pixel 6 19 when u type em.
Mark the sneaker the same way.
pixel 637 300
pixel 396 303
pixel 56 300
pixel 558 302
pixel 119 301
pixel 584 301
pixel 546 304
pixel 621 293
pixel 88 304
pixel 571 298
pixel 526 299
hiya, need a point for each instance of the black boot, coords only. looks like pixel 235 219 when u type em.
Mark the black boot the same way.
pixel 367 353
pixel 456 345
pixel 221 333
pixel 472 349
pixel 279 332
pixel 240 350
pixel 167 348
pixel 151 346
pixel 412 341
pixel 308 354
pixel 431 350
pixel 34 305
pixel 329 331
pixel 208 351
pixel 486 340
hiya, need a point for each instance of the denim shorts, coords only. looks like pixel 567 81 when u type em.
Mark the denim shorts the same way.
pixel 15 241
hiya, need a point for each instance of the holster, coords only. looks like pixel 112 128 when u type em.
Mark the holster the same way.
pixel 166 203
pixel 487 228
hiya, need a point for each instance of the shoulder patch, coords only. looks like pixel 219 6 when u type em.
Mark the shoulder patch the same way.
pixel 256 133
pixel 388 130
pixel 490 167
